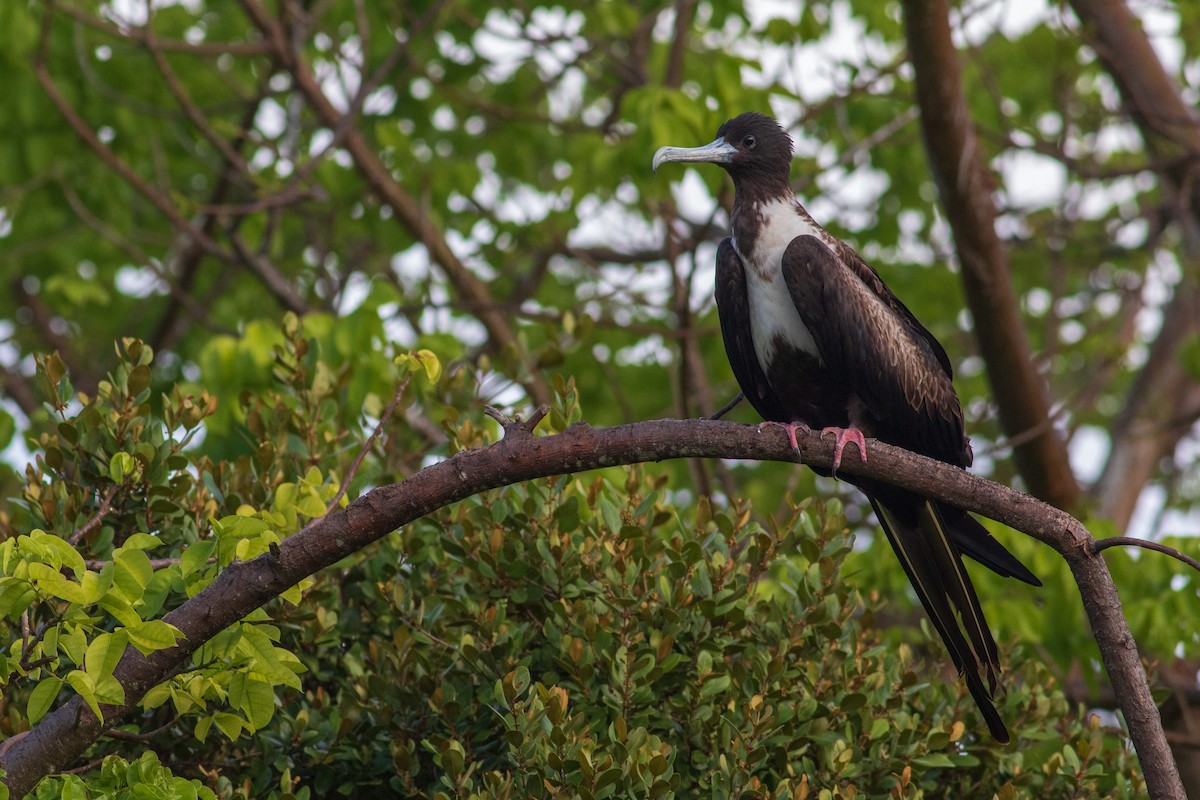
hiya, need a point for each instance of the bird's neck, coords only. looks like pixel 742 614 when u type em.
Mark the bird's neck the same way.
pixel 751 209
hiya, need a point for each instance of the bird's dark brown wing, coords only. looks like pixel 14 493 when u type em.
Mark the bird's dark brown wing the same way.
pixel 867 336
pixel 867 274
pixel 902 375
pixel 733 307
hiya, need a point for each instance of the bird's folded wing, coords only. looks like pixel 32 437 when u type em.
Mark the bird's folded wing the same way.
pixel 865 335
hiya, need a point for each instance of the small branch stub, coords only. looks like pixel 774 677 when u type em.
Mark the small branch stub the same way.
pixel 515 428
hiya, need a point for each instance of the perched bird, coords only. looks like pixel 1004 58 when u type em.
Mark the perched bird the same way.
pixel 816 339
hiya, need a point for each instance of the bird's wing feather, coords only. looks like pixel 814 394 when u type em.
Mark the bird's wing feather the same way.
pixel 865 335
pixel 733 308
pixel 973 539
pixel 867 274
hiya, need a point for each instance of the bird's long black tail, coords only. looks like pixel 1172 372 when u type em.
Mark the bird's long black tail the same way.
pixel 927 550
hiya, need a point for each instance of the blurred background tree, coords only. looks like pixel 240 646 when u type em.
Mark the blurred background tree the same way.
pixel 474 180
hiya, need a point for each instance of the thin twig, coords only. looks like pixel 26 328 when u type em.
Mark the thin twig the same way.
pixel 96 519
pixel 1133 541
pixel 148 736
pixel 387 414
pixel 184 100
pixel 137 34
pixel 730 406
pixel 82 769
pixel 28 667
pixel 141 258
pixel 155 563
pixel 25 634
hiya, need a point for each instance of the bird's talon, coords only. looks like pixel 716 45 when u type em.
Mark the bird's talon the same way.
pixel 791 428
pixel 841 437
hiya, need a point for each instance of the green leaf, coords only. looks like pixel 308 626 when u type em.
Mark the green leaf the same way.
pixel 115 603
pixel 266 658
pixel 715 685
pixel 132 573
pixel 50 581
pixel 422 360
pixel 255 698
pixel 103 654
pixel 153 635
pixel 196 556
pixel 85 687
pixel 15 596
pixel 139 541
pixel 202 727
pixel 311 504
pixel 120 466
pixel 42 697
pixel 229 724
pixel 57 551
pixel 92 587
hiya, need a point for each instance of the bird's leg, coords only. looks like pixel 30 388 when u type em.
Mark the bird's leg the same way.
pixel 791 428
pixel 844 435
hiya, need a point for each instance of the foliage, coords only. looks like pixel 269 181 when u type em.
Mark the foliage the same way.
pixel 572 637
pixel 118 779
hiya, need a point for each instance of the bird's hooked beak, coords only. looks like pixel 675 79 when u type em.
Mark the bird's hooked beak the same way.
pixel 718 152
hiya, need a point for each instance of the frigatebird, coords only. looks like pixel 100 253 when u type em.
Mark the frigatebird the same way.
pixel 816 338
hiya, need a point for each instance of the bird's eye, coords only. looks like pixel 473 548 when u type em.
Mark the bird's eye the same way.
pixel 749 142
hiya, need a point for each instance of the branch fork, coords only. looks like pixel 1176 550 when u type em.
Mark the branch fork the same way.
pixel 514 428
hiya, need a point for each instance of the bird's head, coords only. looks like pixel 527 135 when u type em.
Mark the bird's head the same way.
pixel 750 144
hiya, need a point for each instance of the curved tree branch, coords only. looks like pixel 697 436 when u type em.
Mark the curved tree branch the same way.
pixel 1133 541
pixel 965 186
pixel 63 735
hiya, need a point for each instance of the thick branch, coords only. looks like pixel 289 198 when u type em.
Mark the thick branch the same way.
pixel 62 736
pixel 1163 389
pixel 1152 97
pixel 966 190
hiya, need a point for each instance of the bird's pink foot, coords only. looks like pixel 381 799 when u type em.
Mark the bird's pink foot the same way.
pixel 791 428
pixel 844 435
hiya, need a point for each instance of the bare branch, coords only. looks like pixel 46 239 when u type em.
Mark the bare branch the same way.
pixel 97 518
pixel 501 334
pixel 18 389
pixel 1133 541
pixel 155 563
pixel 1171 128
pixel 139 256
pixel 258 264
pixel 229 152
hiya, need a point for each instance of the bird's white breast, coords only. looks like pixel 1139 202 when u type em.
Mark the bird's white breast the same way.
pixel 773 315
